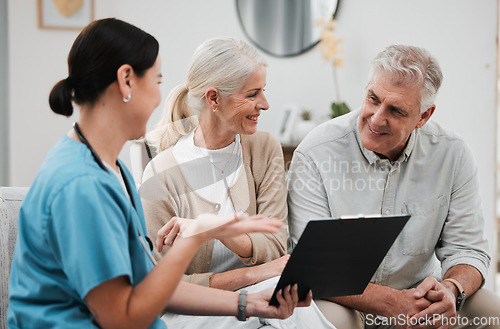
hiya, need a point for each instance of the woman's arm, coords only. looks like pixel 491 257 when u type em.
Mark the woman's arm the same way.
pixel 267 174
pixel 228 280
pixel 117 304
pixel 206 301
pixel 246 276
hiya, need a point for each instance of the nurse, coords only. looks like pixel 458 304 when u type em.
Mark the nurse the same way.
pixel 82 258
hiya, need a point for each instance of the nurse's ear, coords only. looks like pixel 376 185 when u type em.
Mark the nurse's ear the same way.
pixel 125 76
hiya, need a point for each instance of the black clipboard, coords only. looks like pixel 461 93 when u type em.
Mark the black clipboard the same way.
pixel 338 257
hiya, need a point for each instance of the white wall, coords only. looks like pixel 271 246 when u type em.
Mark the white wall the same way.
pixel 460 33
pixel 3 92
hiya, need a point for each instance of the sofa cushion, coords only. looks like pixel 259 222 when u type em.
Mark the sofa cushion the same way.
pixel 10 202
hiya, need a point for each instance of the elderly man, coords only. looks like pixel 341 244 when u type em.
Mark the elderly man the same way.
pixel 387 158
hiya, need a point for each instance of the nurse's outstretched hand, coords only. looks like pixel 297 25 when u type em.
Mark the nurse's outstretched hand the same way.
pixel 208 226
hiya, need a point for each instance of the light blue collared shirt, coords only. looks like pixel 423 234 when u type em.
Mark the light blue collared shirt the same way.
pixel 435 181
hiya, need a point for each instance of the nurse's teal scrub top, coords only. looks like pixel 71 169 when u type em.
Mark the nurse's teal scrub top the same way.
pixel 77 229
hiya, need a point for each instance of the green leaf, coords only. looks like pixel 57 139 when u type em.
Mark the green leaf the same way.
pixel 339 109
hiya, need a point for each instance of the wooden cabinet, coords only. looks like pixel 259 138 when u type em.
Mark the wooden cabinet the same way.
pixel 287 154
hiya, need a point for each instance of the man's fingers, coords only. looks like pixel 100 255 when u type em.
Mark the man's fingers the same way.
pixel 422 289
pixel 435 315
pixel 435 296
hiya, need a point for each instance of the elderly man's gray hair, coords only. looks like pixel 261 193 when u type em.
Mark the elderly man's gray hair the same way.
pixel 408 65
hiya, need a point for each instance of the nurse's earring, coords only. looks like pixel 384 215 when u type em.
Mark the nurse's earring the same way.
pixel 126 100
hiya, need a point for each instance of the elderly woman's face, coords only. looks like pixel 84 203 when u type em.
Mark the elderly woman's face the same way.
pixel 240 111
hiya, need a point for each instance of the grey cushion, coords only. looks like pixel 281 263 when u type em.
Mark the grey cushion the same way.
pixel 10 201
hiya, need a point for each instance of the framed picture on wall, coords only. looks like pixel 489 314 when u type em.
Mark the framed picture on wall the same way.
pixel 65 14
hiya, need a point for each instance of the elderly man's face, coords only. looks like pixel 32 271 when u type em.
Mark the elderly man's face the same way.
pixel 388 116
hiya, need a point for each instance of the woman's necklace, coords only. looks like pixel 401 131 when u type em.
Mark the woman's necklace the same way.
pixel 231 156
pixel 226 163
pixel 221 168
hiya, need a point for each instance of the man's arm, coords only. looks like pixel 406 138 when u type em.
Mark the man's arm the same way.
pixel 430 298
pixel 462 239
pixel 468 276
pixel 385 301
pixel 307 196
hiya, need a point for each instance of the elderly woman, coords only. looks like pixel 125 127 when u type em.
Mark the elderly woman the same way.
pixel 212 159
pixel 219 165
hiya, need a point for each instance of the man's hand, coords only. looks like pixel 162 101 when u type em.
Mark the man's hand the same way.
pixel 407 303
pixel 398 305
pixel 430 305
pixel 442 308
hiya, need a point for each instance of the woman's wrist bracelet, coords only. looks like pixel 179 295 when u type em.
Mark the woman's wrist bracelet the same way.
pixel 242 306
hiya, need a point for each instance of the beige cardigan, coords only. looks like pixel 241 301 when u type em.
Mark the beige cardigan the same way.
pixel 259 189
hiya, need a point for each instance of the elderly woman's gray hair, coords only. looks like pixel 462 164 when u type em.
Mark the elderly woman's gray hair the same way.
pixel 223 63
pixel 408 65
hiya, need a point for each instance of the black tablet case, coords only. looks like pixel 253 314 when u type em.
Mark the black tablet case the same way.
pixel 338 257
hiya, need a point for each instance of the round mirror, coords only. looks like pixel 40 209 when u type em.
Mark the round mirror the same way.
pixel 284 27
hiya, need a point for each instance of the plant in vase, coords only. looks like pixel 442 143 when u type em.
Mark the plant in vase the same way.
pixel 328 45
pixel 305 115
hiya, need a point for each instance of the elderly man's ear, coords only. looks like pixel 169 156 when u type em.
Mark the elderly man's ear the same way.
pixel 425 116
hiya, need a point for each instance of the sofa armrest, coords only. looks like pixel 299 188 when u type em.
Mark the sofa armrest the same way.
pixel 10 202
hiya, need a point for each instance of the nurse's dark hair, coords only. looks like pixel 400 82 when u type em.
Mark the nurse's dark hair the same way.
pixel 94 59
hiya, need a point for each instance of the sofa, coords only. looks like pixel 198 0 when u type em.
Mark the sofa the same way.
pixel 10 202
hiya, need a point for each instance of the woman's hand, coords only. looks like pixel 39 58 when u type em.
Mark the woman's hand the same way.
pixel 208 226
pixel 258 304
pixel 170 231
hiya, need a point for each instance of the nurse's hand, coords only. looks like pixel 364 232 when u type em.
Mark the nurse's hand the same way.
pixel 258 304
pixel 208 226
